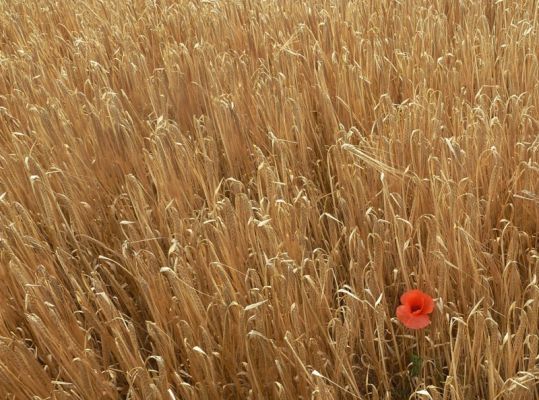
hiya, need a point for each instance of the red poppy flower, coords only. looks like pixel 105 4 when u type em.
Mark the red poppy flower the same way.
pixel 415 309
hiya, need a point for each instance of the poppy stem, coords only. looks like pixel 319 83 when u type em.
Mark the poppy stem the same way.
pixel 420 337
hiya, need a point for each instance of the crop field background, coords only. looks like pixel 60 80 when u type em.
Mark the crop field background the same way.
pixel 226 199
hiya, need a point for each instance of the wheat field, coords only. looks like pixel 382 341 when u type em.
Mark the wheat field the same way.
pixel 225 199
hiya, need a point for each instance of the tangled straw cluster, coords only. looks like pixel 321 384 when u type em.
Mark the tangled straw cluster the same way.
pixel 225 199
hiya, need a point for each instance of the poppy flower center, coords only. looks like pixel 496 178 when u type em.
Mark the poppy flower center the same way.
pixel 415 307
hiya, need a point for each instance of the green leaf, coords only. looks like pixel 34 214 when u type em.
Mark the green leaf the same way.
pixel 417 363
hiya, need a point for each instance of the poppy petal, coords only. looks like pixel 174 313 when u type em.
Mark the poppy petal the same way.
pixel 411 296
pixel 417 322
pixel 404 313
